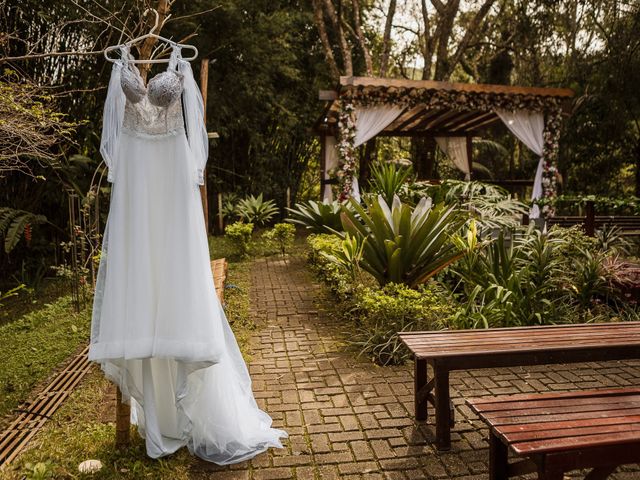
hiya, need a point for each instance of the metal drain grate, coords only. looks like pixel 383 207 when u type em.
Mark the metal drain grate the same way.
pixel 33 415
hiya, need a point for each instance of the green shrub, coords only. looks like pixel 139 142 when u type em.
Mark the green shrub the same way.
pixel 348 256
pixel 256 210
pixel 283 235
pixel 335 276
pixel 380 313
pixel 240 235
pixel 318 217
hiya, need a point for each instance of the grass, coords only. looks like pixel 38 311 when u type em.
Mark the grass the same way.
pixel 83 427
pixel 31 299
pixel 78 431
pixel 35 344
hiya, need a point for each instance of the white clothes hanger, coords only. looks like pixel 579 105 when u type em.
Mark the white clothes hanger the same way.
pixel 150 35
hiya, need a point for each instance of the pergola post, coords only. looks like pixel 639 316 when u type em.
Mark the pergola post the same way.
pixel 470 155
pixel 552 125
pixel 323 164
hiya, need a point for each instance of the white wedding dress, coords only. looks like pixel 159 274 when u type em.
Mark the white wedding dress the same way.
pixel 158 329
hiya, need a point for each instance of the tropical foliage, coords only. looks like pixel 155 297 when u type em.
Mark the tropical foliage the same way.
pixel 317 217
pixel 387 179
pixel 403 244
pixel 257 210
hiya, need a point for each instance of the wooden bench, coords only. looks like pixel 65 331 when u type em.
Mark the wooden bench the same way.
pixel 219 269
pixel 628 224
pixel 559 432
pixel 449 350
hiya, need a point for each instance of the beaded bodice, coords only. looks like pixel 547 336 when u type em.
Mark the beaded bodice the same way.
pixel 154 109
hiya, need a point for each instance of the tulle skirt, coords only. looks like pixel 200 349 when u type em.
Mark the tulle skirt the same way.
pixel 158 329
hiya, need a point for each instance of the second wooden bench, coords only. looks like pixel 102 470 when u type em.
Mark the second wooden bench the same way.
pixel 447 351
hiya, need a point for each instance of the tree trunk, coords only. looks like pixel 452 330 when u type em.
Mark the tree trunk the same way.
pixel 386 39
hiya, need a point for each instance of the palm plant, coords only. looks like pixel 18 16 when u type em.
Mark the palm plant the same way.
pixel 319 217
pixel 402 244
pixel 256 210
pixel 387 179
pixel 491 206
pixel 229 207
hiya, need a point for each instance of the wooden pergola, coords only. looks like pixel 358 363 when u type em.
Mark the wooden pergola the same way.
pixel 429 109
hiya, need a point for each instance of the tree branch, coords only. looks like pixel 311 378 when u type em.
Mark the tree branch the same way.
pixel 471 31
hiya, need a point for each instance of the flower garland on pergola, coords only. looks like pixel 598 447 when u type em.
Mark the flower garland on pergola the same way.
pixel 351 98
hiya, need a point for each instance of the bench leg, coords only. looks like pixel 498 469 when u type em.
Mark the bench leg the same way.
pixel 443 407
pixel 420 379
pixel 601 473
pixel 498 459
pixel 550 475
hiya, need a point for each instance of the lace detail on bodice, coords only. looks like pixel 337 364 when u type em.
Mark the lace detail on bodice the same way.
pixel 154 109
pixel 148 119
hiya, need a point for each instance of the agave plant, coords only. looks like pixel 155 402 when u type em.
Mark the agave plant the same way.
pixel 256 210
pixel 387 179
pixel 402 244
pixel 319 217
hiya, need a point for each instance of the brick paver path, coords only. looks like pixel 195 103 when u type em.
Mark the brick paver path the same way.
pixel 350 419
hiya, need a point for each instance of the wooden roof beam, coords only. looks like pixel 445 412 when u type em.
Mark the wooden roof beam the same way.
pixel 429 123
pixel 407 117
pixel 428 114
pixel 470 124
pixel 464 118
pixel 482 122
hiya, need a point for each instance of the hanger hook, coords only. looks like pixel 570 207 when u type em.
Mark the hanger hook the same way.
pixel 144 14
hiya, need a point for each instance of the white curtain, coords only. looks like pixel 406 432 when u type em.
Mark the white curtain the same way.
pixel 370 121
pixel 528 127
pixel 456 149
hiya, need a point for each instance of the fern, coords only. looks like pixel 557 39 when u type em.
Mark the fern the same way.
pixel 13 223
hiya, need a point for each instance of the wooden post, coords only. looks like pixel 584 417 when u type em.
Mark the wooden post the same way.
pixel 323 163
pixel 220 217
pixel 123 421
pixel 470 154
pixel 204 80
pixel 590 220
